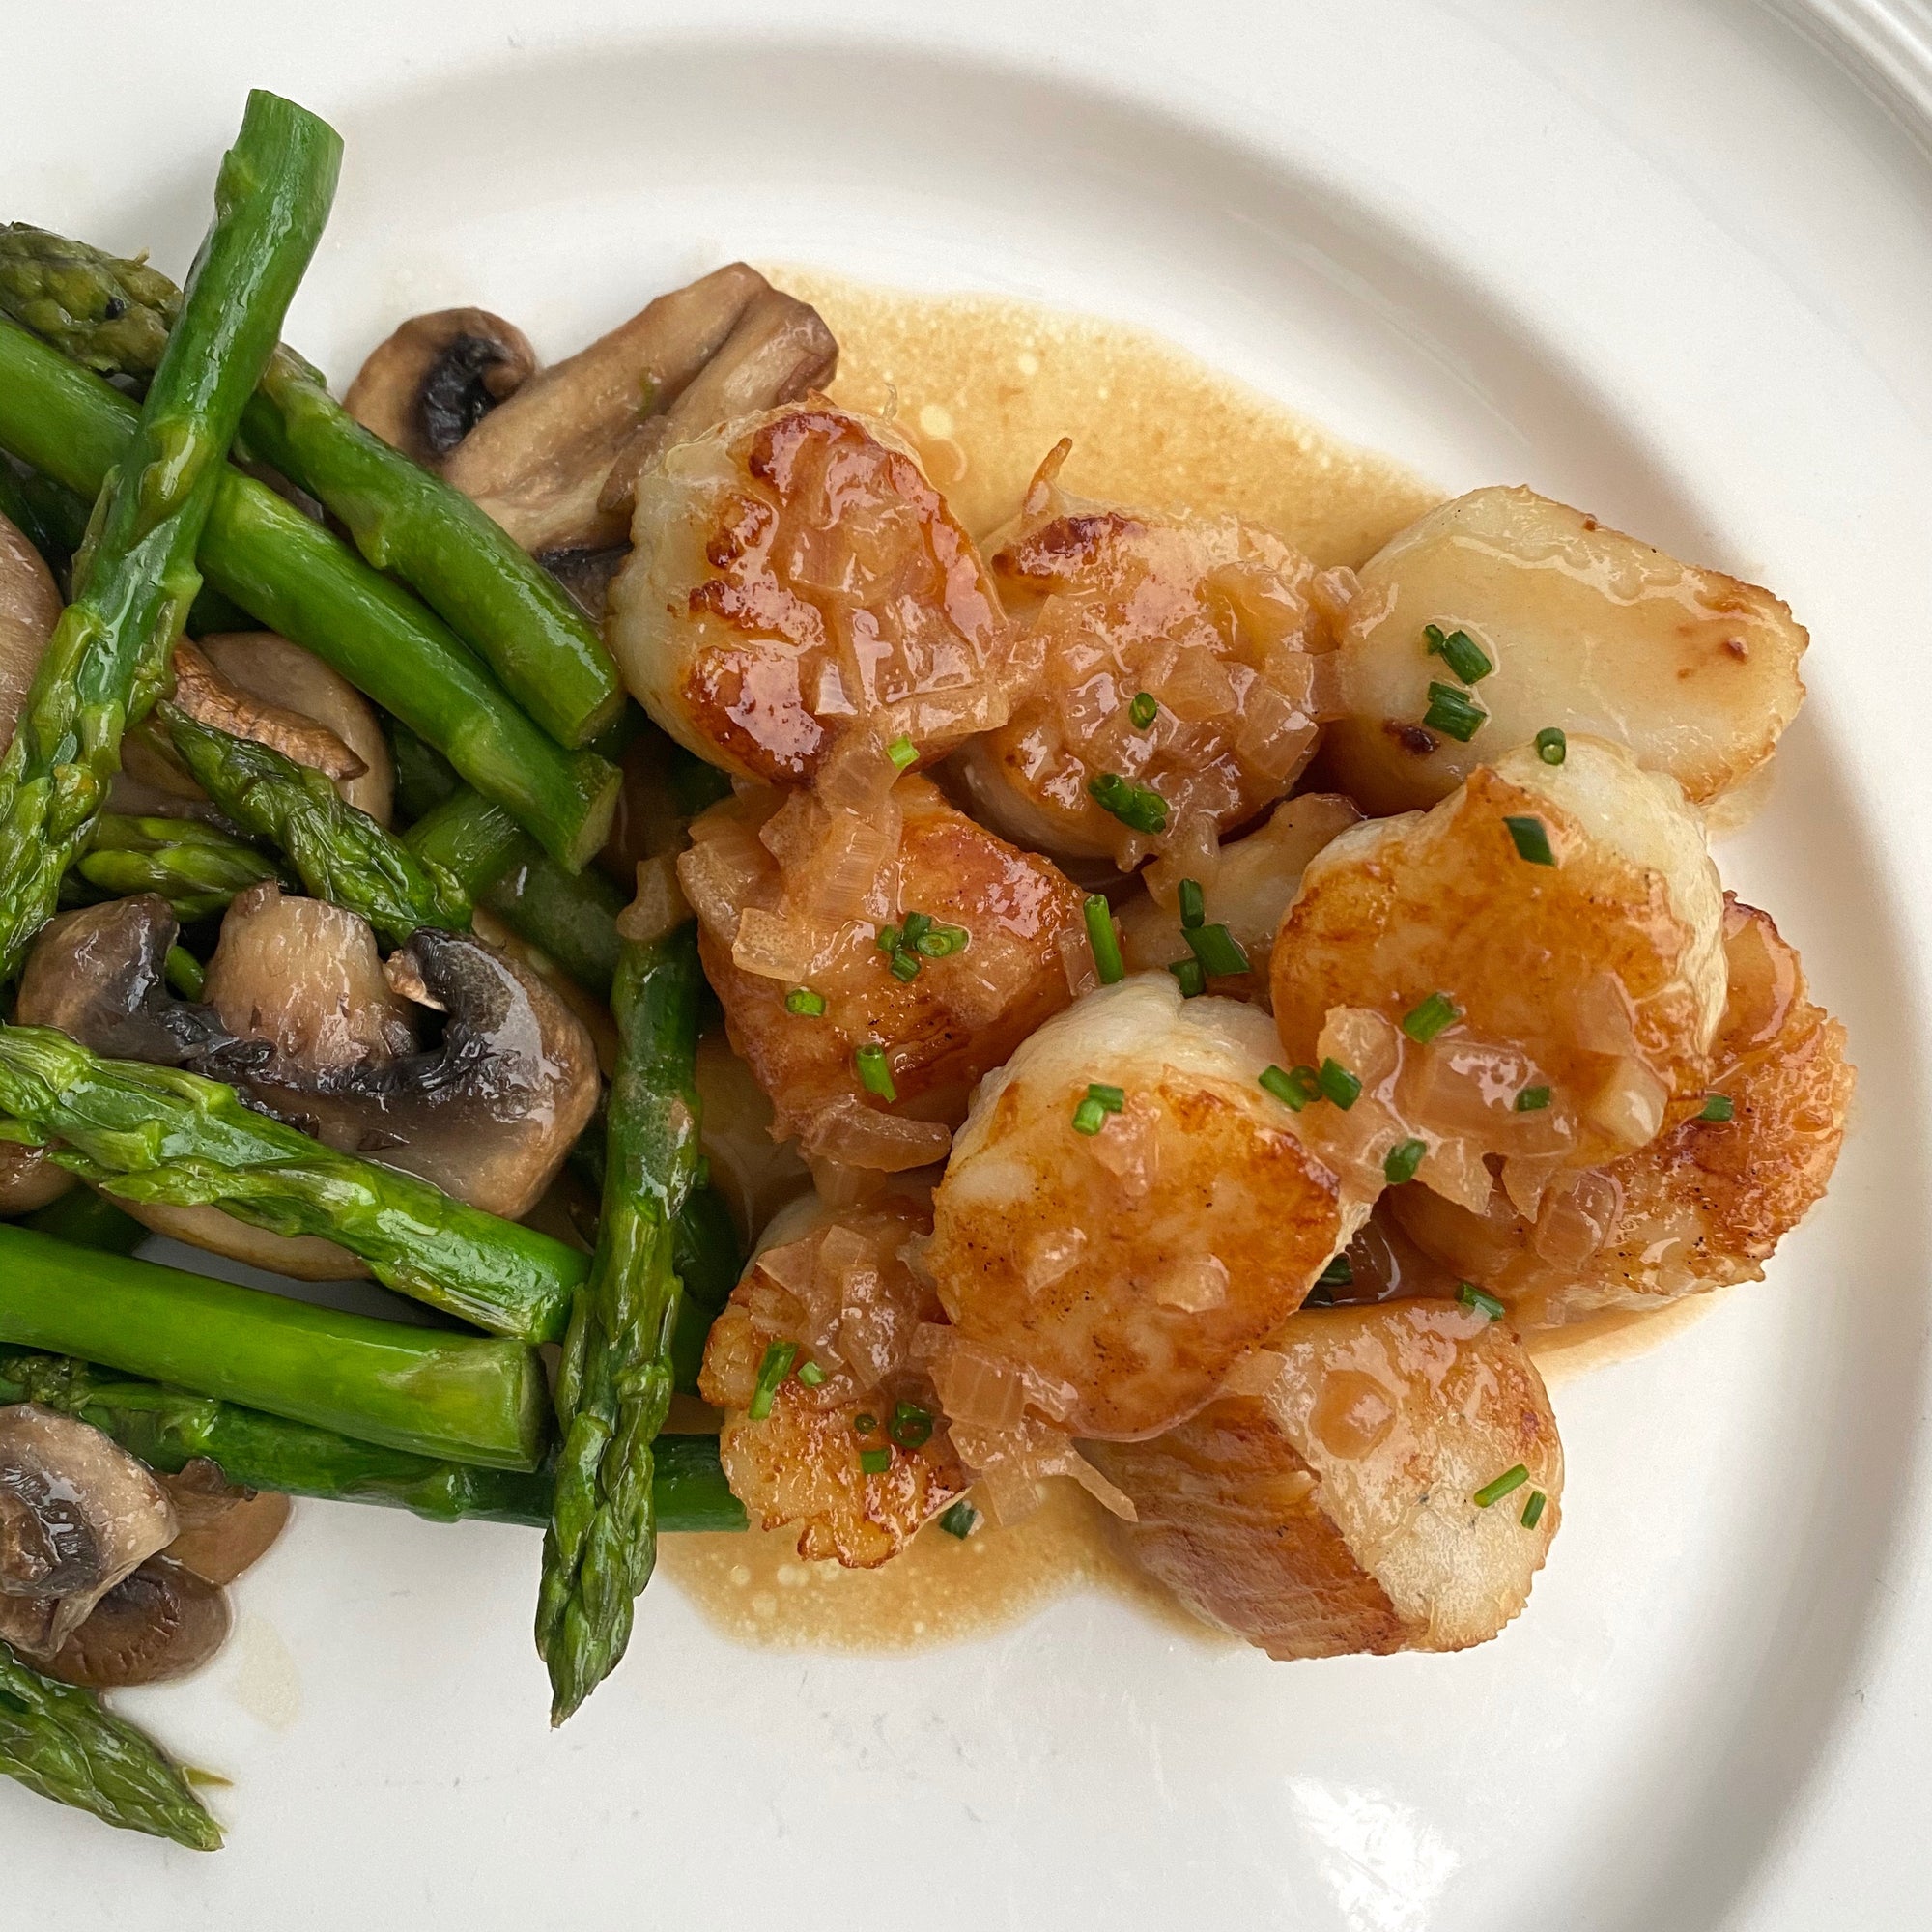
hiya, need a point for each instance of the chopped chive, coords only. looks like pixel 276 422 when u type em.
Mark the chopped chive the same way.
pixel 1532 1099
pixel 1089 1116
pixel 1480 1300
pixel 902 753
pixel 1401 1162
pixel 1306 1082
pixel 961 1521
pixel 1531 838
pixel 772 1371
pixel 1532 1510
pixel 1339 1273
pixel 911 1426
pixel 1218 951
pixel 1339 1084
pixel 1494 1492
pixel 1193 981
pixel 804 1003
pixel 887 941
pixel 1424 1022
pixel 1103 940
pixel 1452 712
pixel 1143 710
pixel 1717 1107
pixel 810 1374
pixel 875 1462
pixel 1461 652
pixel 916 923
pixel 1551 746
pixel 1193 910
pixel 876 1073
pixel 184 971
pixel 863 1424
pixel 1278 1081
pixel 1136 807
pixel 1113 1098
pixel 943 942
pixel 904 966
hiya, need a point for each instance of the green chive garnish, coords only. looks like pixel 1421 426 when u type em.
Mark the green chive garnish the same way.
pixel 1481 1299
pixel 875 1462
pixel 1193 981
pixel 1452 712
pixel 1551 746
pixel 1461 652
pixel 902 753
pixel 1337 1274
pixel 916 925
pixel 1532 1099
pixel 804 1003
pixel 911 1426
pixel 876 1073
pixel 863 1424
pixel 1424 1022
pixel 943 942
pixel 1532 1510
pixel 1136 807
pixel 887 940
pixel 1103 940
pixel 1113 1098
pixel 1218 951
pixel 1091 1115
pixel 1143 710
pixel 1277 1081
pixel 1193 910
pixel 1531 839
pixel 1717 1107
pixel 1338 1084
pixel 810 1374
pixel 1494 1492
pixel 904 966
pixel 184 971
pixel 1401 1162
pixel 961 1521
pixel 772 1371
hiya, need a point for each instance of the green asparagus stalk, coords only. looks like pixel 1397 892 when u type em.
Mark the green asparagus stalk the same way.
pixel 196 868
pixel 340 853
pixel 169 1427
pixel 159 1133
pixel 614 1387
pixel 294 577
pixel 88 1219
pixel 62 1743
pixel 114 316
pixel 109 657
pixel 465 1398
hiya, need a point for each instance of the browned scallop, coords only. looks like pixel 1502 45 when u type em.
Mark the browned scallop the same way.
pixel 1569 915
pixel 1130 1266
pixel 1706 1203
pixel 1335 1510
pixel 850 1452
pixel 1216 628
pixel 793 902
pixel 798 585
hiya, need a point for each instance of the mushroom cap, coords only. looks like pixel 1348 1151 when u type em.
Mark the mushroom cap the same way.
pixel 432 382
pixel 224 1530
pixel 158 1623
pixel 30 607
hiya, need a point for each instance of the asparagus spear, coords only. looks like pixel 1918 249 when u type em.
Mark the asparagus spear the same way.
pixel 196 868
pixel 63 1744
pixel 158 1133
pixel 87 1219
pixel 340 853
pixel 169 1428
pixel 292 575
pixel 109 657
pixel 469 1397
pixel 115 315
pixel 615 1385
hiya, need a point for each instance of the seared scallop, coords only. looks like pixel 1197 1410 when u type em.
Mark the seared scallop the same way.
pixel 873 967
pixel 1704 1205
pixel 1695 674
pixel 1552 932
pixel 799 585
pixel 1173 673
pixel 1394 1486
pixel 1127 1211
pixel 828 1423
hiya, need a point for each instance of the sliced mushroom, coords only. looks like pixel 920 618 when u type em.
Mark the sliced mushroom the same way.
pixel 436 378
pixel 160 1624
pixel 203 692
pixel 29 1179
pixel 30 607
pixel 539 464
pixel 77 1512
pixel 223 1529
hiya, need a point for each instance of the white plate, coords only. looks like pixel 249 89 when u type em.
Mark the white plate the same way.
pixel 1671 261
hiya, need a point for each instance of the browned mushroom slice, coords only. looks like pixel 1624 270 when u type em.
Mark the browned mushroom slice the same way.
pixel 162 1623
pixel 224 1530
pixel 203 692
pixel 30 607
pixel 436 378
pixel 539 464
pixel 29 1179
pixel 77 1512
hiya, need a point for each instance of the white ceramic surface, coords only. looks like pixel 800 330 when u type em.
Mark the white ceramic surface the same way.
pixel 1672 261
